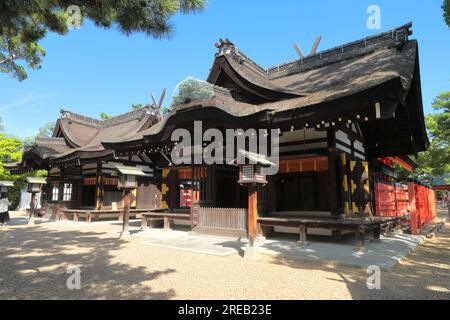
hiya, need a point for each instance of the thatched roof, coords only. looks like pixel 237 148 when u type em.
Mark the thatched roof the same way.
pixel 380 68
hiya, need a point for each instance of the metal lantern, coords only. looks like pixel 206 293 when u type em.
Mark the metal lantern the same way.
pixel 35 184
pixel 4 185
pixel 251 174
pixel 127 176
pixel 127 182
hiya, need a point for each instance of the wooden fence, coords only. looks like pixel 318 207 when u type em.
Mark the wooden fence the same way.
pixel 415 201
pixel 231 221
pixel 391 199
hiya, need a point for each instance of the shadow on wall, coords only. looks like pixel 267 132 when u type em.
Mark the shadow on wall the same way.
pixel 40 259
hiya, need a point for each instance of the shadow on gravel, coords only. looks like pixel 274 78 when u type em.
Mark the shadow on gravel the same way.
pixel 425 274
pixel 34 261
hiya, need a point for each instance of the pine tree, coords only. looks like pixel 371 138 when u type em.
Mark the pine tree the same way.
pixel 24 23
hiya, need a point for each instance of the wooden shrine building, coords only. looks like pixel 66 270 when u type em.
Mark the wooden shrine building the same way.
pixel 82 175
pixel 338 113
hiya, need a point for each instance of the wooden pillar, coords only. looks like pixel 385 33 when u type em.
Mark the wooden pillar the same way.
pixel 252 213
pixel 359 238
pixel 79 191
pixel 377 232
pixel 100 188
pixel 126 213
pixel 173 196
pixel 192 217
pixel 302 239
pixel 166 223
pixel 193 178
pixel 32 209
pixel 333 172
pixel 388 230
pixel 144 222
pixel 61 186
pixel 412 208
pixel 165 189
pixel 211 195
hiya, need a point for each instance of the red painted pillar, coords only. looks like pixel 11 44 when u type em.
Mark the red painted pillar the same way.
pixel 252 213
pixel 434 203
pixel 412 207
pixel 377 199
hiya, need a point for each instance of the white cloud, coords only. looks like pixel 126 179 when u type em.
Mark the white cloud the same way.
pixel 22 101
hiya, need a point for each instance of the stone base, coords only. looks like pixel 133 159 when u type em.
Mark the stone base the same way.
pixel 252 253
pixel 125 235
pixel 260 240
pixel 360 249
pixel 304 243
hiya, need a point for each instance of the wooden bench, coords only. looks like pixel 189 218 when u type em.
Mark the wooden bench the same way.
pixel 357 225
pixel 388 224
pixel 91 214
pixel 148 217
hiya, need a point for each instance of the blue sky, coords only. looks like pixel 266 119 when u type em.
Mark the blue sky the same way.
pixel 91 70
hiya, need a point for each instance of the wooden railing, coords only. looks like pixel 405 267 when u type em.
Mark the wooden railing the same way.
pixel 222 220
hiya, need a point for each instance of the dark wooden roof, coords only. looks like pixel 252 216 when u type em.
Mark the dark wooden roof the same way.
pixel 77 138
pixel 328 70
pixel 344 82
pixel 118 127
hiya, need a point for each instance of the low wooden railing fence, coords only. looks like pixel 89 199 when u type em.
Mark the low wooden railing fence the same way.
pixel 221 220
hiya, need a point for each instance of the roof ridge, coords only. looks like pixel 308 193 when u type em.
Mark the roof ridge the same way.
pixel 393 37
pixel 128 116
pixel 124 117
pixel 52 140
pixel 87 120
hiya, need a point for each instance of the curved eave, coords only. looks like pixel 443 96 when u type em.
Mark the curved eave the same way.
pixel 82 157
pixel 271 114
pixel 124 144
pixel 259 87
pixel 59 129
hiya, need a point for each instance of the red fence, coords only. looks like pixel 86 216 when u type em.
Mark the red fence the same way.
pixel 415 201
pixel 422 206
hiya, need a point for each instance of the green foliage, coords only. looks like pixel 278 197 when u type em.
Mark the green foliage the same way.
pixel 137 106
pixel 24 23
pixel 1 125
pixel 402 173
pixel 105 116
pixel 435 162
pixel 14 192
pixel 192 89
pixel 10 151
pixel 439 124
pixel 446 8
pixel 44 132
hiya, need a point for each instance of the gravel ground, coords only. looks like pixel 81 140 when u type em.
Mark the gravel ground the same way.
pixel 34 261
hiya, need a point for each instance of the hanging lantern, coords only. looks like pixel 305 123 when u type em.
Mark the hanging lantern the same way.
pixel 252 172
pixel 4 185
pixel 127 176
pixel 34 184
